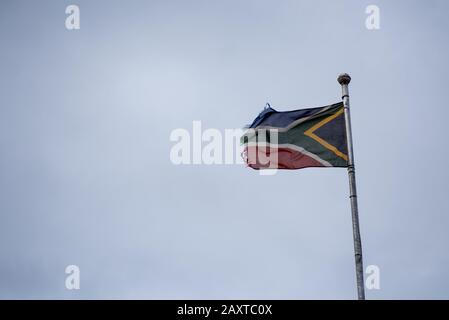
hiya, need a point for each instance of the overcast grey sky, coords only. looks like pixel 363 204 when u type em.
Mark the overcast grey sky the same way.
pixel 86 177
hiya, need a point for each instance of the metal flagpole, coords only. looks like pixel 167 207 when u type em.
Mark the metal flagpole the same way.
pixel 344 80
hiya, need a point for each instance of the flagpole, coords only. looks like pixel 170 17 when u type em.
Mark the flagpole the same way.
pixel 344 80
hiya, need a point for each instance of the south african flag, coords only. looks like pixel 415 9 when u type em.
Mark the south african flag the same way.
pixel 314 137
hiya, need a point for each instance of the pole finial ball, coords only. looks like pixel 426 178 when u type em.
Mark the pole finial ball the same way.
pixel 344 78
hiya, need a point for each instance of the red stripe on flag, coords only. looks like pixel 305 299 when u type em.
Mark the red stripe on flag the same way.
pixel 280 158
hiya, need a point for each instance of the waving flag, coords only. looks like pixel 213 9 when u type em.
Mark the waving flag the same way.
pixel 314 137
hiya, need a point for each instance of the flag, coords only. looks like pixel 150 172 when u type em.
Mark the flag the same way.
pixel 314 137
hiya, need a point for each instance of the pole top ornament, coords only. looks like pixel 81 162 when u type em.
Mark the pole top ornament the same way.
pixel 344 78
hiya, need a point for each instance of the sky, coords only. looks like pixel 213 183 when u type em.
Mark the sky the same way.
pixel 86 177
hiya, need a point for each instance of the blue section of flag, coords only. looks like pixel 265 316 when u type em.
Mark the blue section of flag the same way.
pixel 272 118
